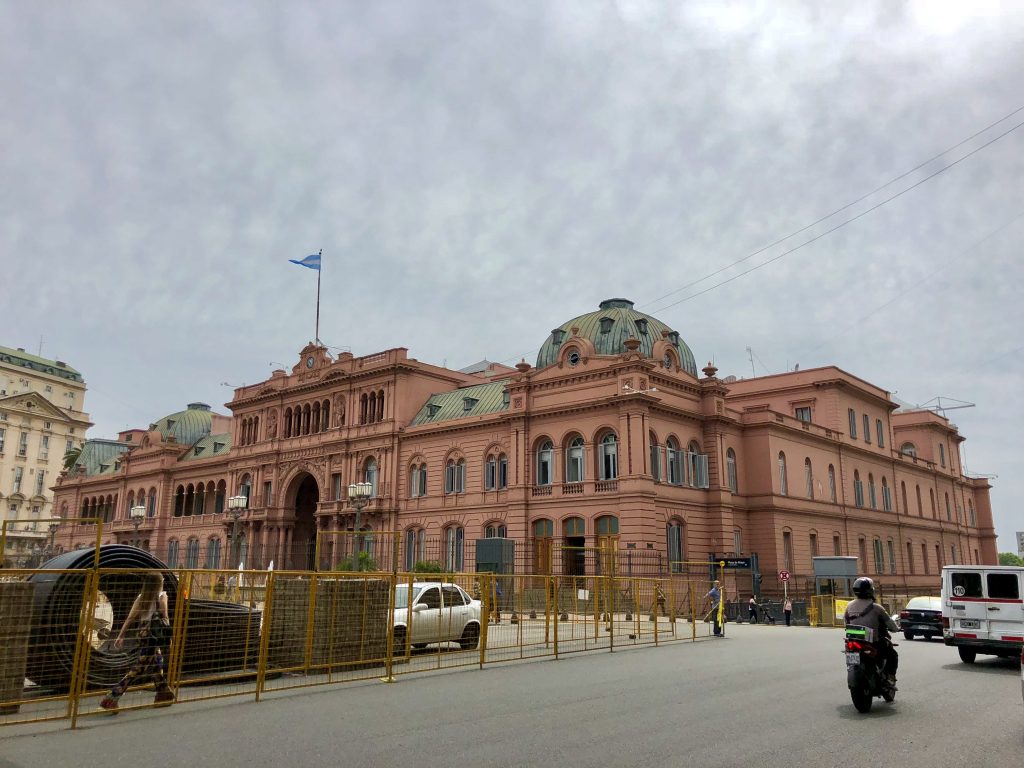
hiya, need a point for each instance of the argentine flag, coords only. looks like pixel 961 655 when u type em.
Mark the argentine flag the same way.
pixel 312 261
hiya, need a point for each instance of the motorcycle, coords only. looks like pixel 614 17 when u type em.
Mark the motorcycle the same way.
pixel 864 674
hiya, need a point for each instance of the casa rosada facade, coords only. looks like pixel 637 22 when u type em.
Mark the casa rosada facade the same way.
pixel 613 439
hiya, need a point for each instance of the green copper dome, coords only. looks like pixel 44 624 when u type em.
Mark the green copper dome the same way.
pixel 609 327
pixel 186 426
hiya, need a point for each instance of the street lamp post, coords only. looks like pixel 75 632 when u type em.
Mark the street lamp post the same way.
pixel 236 506
pixel 358 496
pixel 53 532
pixel 137 515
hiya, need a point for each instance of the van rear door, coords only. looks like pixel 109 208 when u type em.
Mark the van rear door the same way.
pixel 1004 606
pixel 968 617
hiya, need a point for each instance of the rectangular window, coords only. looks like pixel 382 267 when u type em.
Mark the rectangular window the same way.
pixel 837 546
pixel 858 493
pixel 967 584
pixel 336 486
pixel 880 430
pixel 267 493
pixel 814 544
pixel 886 499
pixel 23 444
pixel 490 473
pixel 942 454
pixel 803 414
pixel 867 428
pixel 879 558
pixel 924 557
pixel 44 447
pixel 655 462
pixel 698 463
pixel 892 556
pixel 853 423
pixel 862 547
pixel 737 542
pixel 3 434
pixel 503 472
pixel 18 474
pixel 40 479
pixel 787 550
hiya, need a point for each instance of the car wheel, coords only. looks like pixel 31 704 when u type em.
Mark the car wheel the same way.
pixel 908 635
pixel 398 644
pixel 967 655
pixel 470 637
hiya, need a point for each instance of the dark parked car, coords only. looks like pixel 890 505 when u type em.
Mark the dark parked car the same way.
pixel 922 616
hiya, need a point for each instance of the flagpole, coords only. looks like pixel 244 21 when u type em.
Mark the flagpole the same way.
pixel 318 297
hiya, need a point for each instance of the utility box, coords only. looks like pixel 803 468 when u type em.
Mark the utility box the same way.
pixel 496 555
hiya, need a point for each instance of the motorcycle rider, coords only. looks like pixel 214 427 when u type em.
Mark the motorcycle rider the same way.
pixel 865 612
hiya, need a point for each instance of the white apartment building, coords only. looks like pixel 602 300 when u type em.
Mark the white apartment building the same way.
pixel 41 418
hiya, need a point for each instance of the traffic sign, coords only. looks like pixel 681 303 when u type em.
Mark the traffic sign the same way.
pixel 733 562
pixel 783 575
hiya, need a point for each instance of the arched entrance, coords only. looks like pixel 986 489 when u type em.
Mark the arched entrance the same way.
pixel 303 497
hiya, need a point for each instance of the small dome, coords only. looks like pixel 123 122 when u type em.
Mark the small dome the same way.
pixel 187 426
pixel 609 327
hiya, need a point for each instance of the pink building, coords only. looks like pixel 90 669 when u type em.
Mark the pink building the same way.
pixel 613 438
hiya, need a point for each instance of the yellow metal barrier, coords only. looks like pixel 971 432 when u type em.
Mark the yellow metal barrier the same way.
pixel 238 633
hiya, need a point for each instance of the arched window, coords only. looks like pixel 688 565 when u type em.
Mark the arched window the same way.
pixel 831 483
pixel 949 512
pixel 858 489
pixel 287 422
pixel 572 527
pixel 607 527
pixel 460 476
pixel 414 481
pixel 808 479
pixel 908 449
pixel 172 553
pixel 371 408
pixel 325 415
pixel 730 470
pixel 179 501
pixel 574 461
pixel 151 503
pixel 903 497
pixel 890 547
pixel 545 462
pixel 920 509
pixel 363 402
pixel 370 474
pixel 910 558
pixel 490 473
pixel 783 487
pixel 449 476
pixel 502 471
pixel 879 556
pixel 871 491
pixel 931 499
pixel 415 547
pixel 675 537
pixel 696 466
pixel 220 498
pixel 655 456
pixel 886 496
pixel 213 553
pixel 609 458
pixel 315 427
pixel 496 531
pixel 970 511
pixel 454 537
pixel 675 462
pixel 380 405
pixel 192 553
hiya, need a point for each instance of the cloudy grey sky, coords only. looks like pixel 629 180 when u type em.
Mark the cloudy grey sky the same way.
pixel 477 173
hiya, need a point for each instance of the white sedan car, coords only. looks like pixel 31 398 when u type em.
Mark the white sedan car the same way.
pixel 441 613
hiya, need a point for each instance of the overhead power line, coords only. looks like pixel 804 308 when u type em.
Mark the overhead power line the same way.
pixel 842 224
pixel 863 197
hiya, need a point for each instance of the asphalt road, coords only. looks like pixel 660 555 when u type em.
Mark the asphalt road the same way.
pixel 765 696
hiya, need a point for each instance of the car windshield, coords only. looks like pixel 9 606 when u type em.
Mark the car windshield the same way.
pixel 402 594
pixel 925 604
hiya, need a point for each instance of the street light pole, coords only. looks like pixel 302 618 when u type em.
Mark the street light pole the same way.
pixel 137 515
pixel 358 496
pixel 236 506
pixel 53 532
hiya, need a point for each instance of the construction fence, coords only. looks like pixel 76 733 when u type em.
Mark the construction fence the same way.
pixel 68 637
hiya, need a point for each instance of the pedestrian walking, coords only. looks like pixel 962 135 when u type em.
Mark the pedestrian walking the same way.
pixel 787 608
pixel 752 607
pixel 150 621
pixel 715 595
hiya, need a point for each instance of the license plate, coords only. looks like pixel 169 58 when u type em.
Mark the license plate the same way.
pixel 969 623
pixel 852 659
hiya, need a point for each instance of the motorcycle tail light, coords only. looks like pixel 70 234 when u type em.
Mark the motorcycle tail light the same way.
pixel 853 645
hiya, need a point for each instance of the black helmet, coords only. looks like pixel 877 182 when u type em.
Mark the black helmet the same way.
pixel 864 588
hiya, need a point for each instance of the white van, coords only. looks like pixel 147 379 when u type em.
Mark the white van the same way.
pixel 982 609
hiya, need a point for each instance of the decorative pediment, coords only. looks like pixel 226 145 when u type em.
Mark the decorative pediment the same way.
pixel 32 403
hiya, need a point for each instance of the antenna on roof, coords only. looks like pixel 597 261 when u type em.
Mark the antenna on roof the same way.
pixel 750 355
pixel 936 405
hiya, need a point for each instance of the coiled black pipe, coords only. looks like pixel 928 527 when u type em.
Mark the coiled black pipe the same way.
pixel 59 599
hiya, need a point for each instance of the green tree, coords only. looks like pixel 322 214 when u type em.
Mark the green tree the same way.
pixel 1008 558
pixel 70 457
